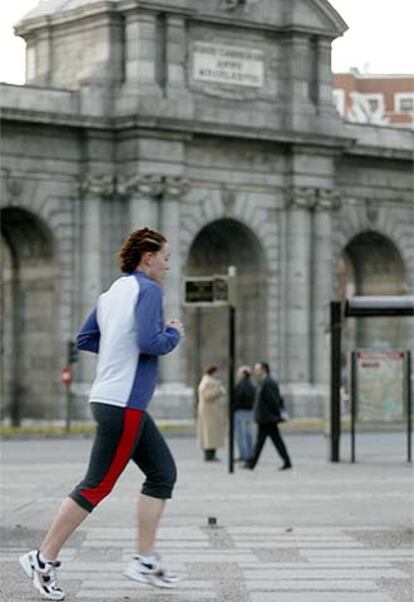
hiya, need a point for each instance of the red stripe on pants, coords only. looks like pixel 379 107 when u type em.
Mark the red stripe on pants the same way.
pixel 132 421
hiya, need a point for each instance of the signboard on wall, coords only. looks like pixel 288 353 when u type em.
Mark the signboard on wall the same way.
pixel 380 385
pixel 231 65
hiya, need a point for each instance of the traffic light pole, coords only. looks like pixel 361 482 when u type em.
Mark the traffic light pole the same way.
pixel 72 358
pixel 232 358
pixel 68 406
pixel 232 345
pixel 409 408
pixel 335 413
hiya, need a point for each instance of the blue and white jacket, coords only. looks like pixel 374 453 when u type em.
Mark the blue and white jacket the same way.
pixel 127 330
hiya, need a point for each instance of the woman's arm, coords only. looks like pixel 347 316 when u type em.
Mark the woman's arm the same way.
pixel 154 338
pixel 89 334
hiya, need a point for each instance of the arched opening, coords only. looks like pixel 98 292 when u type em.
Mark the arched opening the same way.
pixel 29 305
pixel 218 245
pixel 372 265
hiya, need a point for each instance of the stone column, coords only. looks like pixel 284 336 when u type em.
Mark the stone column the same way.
pixel 140 48
pixel 322 284
pixel 298 295
pixel 176 51
pixel 327 109
pixel 92 189
pixel 299 108
pixel 44 57
pixel 174 188
pixel 143 190
pixel 325 74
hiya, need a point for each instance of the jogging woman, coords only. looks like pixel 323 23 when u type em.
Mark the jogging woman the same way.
pixel 127 331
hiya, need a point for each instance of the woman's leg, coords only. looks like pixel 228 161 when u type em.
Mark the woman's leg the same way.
pixel 154 458
pixel 209 454
pixel 114 442
pixel 69 516
pixel 149 513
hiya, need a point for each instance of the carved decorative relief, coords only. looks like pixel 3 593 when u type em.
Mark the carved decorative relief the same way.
pixel 97 185
pixel 327 200
pixel 145 185
pixel 318 199
pixel 234 4
pixel 300 197
pixel 175 186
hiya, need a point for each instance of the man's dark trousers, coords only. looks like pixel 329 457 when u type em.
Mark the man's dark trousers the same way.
pixel 269 429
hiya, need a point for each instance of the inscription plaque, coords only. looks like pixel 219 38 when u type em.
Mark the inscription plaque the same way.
pixel 230 65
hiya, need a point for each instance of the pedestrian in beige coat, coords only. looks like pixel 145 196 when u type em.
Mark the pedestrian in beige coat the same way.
pixel 210 414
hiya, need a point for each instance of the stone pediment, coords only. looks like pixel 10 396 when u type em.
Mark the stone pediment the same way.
pixel 314 15
pixel 317 15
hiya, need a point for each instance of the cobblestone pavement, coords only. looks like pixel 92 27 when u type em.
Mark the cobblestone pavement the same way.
pixel 320 533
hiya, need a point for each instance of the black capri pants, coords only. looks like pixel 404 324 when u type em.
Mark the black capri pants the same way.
pixel 125 434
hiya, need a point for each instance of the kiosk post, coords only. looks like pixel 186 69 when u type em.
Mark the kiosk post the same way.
pixel 335 418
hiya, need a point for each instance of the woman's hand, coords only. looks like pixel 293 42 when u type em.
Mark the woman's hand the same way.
pixel 177 325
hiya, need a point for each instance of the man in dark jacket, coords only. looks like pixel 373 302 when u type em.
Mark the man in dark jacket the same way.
pixel 267 407
pixel 244 396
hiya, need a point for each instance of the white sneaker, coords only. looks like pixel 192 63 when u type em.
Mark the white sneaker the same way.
pixel 149 571
pixel 43 575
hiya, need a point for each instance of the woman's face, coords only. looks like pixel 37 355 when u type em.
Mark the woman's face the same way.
pixel 159 264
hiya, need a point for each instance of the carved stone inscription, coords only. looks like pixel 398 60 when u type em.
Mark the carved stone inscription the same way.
pixel 231 65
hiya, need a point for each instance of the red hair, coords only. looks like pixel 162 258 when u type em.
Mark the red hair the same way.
pixel 139 242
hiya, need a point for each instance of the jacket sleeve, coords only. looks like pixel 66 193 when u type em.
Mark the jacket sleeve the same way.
pixel 89 334
pixel 271 395
pixel 153 337
pixel 280 400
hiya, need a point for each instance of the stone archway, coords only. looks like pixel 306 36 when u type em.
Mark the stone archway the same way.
pixel 29 302
pixel 371 264
pixel 222 243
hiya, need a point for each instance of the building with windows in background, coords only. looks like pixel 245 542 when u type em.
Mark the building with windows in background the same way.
pixel 381 99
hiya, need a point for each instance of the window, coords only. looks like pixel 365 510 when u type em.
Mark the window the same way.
pixel 404 102
pixel 374 102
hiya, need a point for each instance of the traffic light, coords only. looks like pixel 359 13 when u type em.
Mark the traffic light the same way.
pixel 72 352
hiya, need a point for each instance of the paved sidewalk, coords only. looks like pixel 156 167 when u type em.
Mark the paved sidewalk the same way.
pixel 320 533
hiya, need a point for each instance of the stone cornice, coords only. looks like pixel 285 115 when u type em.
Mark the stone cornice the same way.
pixel 309 198
pixel 341 145
pixel 300 197
pixel 183 127
pixel 327 200
pixel 175 186
pixel 153 185
pixel 372 203
pixel 141 185
pixel 30 24
pixel 97 185
pixel 236 11
pixel 138 185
